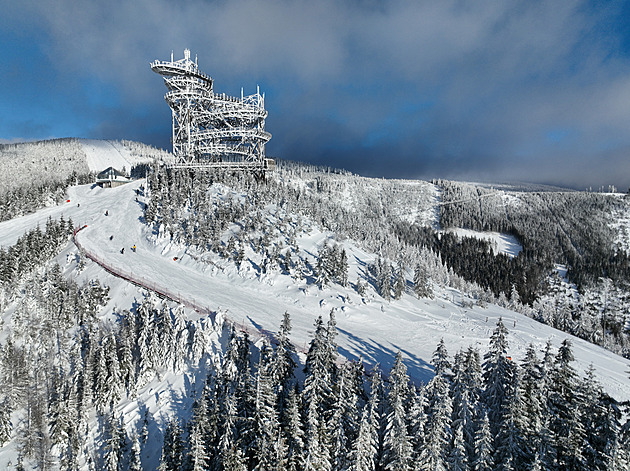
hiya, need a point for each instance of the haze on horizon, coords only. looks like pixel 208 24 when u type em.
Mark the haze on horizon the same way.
pixel 488 91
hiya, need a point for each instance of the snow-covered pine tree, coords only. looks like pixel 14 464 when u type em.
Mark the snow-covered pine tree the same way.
pixel 113 379
pixel 317 399
pixel 198 344
pixel 497 373
pixel 165 337
pixel 418 421
pixel 484 450
pixel 601 420
pixel 365 449
pixel 458 457
pixel 126 341
pixel 400 282
pixel 422 282
pixel 101 385
pixel 181 334
pixel 147 348
pixel 385 281
pixel 465 391
pixel 114 443
pixel 172 448
pixel 438 434
pixel 293 432
pixel 342 271
pixel 322 273
pixel 283 363
pixel 511 449
pixel 565 408
pixel 361 287
pixel 264 423
pixel 5 422
pixel 397 449
pixel 344 419
pixel 531 392
pixel 197 457
pixel 135 460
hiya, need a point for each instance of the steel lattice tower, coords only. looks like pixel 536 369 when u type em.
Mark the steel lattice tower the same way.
pixel 212 130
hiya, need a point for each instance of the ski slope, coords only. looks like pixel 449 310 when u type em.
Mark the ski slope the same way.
pixel 370 328
pixel 101 155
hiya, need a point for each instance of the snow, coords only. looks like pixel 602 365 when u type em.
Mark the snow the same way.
pixel 370 328
pixel 103 154
pixel 501 243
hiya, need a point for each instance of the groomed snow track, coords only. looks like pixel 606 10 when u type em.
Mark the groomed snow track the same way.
pixel 165 293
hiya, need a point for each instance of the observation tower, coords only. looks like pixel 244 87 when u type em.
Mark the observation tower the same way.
pixel 212 130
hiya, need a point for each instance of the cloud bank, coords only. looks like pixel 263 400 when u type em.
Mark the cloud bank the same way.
pixel 487 90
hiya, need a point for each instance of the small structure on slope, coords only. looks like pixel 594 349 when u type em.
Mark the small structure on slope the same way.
pixel 110 178
pixel 212 130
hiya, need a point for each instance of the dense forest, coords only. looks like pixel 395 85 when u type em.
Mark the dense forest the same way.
pixel 571 228
pixel 70 367
pixel 552 228
pixel 62 366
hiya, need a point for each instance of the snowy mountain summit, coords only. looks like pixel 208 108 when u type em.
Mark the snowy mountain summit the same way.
pixel 315 320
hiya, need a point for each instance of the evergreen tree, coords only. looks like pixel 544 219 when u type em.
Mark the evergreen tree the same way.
pixel 601 421
pixel 400 282
pixel 498 374
pixel 511 451
pixel 114 440
pixel 135 462
pixel 5 422
pixel 565 409
pixel 466 392
pixel 345 414
pixel 172 448
pixel 198 458
pixel 293 432
pixel 484 451
pixel 439 414
pixel 283 363
pixel 322 272
pixel 264 421
pixel 458 457
pixel 317 398
pixel 342 271
pixel 385 281
pixel 397 449
pixel 531 393
pixel 422 282
pixel 364 454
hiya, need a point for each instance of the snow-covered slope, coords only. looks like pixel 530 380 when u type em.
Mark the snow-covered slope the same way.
pixel 501 243
pixel 103 154
pixel 370 328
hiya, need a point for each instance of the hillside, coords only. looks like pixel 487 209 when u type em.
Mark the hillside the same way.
pixel 236 251
pixel 35 175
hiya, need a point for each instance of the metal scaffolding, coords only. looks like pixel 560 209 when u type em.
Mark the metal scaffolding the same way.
pixel 212 130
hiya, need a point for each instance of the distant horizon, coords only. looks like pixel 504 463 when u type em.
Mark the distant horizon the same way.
pixel 543 186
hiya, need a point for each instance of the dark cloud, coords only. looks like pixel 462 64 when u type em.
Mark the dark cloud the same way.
pixel 450 89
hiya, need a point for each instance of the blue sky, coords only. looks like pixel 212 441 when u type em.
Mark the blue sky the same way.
pixel 485 90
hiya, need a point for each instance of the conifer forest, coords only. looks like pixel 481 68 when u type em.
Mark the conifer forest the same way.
pixel 341 323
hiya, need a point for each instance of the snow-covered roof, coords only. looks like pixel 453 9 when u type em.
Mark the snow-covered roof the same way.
pixel 111 173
